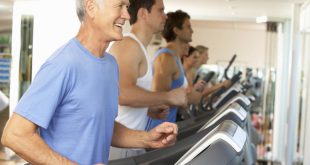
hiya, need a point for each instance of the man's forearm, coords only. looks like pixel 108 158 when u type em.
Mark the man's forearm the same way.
pixel 208 91
pixel 34 150
pixel 126 138
pixel 163 135
pixel 194 97
pixel 138 97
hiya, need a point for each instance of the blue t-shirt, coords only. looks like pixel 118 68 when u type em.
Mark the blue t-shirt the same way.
pixel 73 99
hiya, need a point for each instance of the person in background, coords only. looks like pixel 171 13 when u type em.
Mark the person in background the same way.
pixel 67 116
pixel 189 62
pixel 137 101
pixel 203 56
pixel 203 59
pixel 167 67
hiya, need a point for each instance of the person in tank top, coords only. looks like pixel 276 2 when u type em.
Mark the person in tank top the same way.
pixel 168 73
pixel 137 101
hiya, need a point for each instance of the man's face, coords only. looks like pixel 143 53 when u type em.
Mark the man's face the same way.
pixel 109 17
pixel 156 19
pixel 185 34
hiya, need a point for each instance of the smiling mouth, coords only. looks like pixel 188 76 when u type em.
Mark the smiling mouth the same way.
pixel 119 25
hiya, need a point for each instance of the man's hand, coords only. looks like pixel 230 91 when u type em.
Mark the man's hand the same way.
pixel 163 135
pixel 177 97
pixel 199 86
pixel 158 112
pixel 194 97
pixel 227 84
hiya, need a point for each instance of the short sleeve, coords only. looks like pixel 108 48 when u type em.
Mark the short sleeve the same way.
pixel 44 95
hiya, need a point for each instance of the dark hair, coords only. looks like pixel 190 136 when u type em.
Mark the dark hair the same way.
pixel 174 19
pixel 191 50
pixel 134 7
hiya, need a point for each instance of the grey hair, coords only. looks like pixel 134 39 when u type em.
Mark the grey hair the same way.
pixel 80 8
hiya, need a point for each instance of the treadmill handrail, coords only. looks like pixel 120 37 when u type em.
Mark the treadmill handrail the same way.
pixel 236 87
pixel 234 108
pixel 241 97
pixel 229 64
pixel 235 139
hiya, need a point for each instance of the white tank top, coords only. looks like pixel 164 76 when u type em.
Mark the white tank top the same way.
pixel 136 118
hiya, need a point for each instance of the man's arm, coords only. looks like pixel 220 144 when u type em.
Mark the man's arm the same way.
pixel 194 97
pixel 195 94
pixel 164 70
pixel 207 91
pixel 158 112
pixel 129 57
pixel 163 135
pixel 21 136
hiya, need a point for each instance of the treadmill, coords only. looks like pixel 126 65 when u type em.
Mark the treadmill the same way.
pixel 234 112
pixel 227 138
pixel 223 146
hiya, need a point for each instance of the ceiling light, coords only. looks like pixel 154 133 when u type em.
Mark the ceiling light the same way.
pixel 261 19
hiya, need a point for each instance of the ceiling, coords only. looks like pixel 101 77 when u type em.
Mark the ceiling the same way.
pixel 234 10
pixel 229 10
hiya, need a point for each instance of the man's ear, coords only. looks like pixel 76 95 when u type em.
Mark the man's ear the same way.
pixel 176 30
pixel 90 8
pixel 142 13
